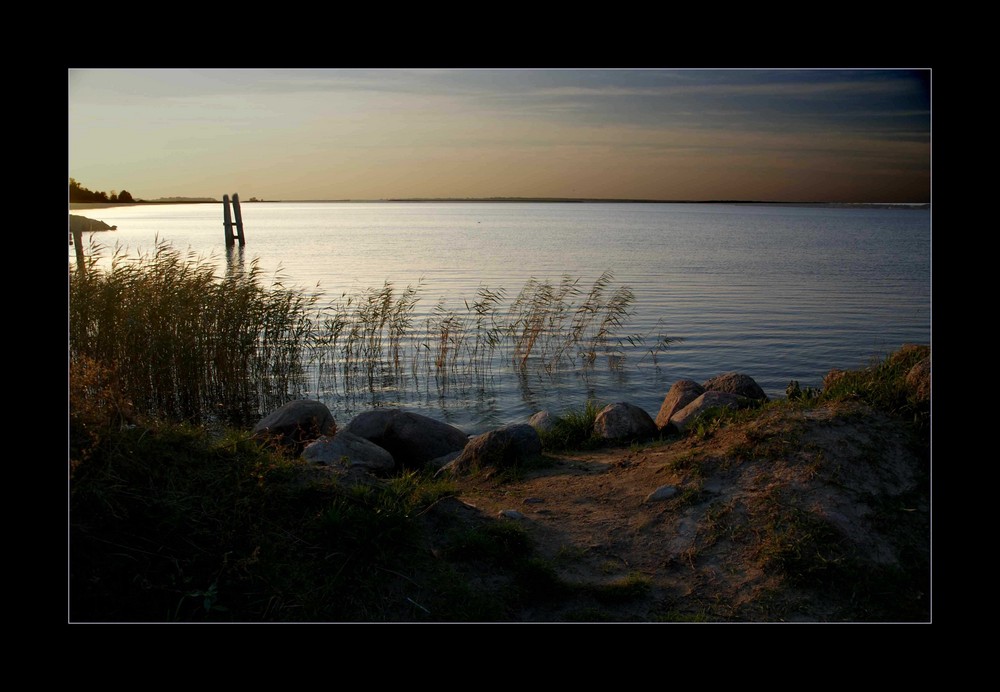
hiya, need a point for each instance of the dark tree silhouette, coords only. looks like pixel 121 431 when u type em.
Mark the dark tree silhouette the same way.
pixel 78 193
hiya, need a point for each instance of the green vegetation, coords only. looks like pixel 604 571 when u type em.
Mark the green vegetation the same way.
pixel 715 418
pixel 628 588
pixel 794 392
pixel 574 429
pixel 883 386
pixel 172 340
pixel 171 523
pixel 174 522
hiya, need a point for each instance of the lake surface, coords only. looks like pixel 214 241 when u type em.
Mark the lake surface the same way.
pixel 776 292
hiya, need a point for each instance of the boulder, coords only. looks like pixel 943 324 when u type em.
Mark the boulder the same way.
pixel 412 439
pixel 711 399
pixel 502 448
pixel 542 421
pixel 736 383
pixel 682 393
pixel 437 462
pixel 622 420
pixel 295 424
pixel 349 451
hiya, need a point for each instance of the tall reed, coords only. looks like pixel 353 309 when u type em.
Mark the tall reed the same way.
pixel 186 343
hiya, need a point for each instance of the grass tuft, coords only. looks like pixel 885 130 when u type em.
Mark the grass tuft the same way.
pixel 574 429
pixel 882 385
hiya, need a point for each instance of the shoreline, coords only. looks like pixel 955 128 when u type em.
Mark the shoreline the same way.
pixel 524 200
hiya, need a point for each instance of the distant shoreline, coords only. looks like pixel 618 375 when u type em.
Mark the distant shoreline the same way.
pixel 532 200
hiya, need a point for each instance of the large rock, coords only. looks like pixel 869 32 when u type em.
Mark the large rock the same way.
pixel 295 424
pixel 348 451
pixel 736 383
pixel 682 393
pixel 622 420
pixel 502 448
pixel 683 418
pixel 542 421
pixel 412 439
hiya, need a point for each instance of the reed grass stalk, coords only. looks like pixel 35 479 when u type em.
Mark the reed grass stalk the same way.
pixel 185 343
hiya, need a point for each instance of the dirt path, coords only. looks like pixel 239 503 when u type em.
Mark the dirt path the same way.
pixel 763 514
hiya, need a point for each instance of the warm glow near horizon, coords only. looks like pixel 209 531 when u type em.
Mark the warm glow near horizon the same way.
pixel 295 134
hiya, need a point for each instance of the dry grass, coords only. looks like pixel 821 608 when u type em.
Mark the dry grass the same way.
pixel 184 343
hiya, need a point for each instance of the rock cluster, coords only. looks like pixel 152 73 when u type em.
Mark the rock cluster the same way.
pixel 383 440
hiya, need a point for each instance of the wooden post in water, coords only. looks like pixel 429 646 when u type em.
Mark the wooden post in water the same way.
pixel 227 221
pixel 81 263
pixel 239 219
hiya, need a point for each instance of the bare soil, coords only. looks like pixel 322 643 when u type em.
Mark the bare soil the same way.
pixel 811 515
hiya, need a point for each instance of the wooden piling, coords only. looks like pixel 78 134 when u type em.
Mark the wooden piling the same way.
pixel 81 262
pixel 239 219
pixel 227 221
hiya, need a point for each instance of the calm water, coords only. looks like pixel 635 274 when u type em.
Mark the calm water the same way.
pixel 775 292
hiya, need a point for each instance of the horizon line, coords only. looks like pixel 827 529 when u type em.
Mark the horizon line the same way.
pixel 254 200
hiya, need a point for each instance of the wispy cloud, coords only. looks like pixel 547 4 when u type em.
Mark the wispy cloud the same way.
pixel 493 125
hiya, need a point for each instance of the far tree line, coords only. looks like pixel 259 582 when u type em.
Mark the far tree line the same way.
pixel 78 193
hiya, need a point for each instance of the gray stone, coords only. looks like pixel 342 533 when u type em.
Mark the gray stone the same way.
pixel 736 383
pixel 542 421
pixel 295 424
pixel 510 514
pixel 501 448
pixel 412 439
pixel 686 415
pixel 682 393
pixel 347 450
pixel 662 493
pixel 622 420
pixel 439 462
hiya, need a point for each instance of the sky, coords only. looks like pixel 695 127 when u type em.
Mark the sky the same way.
pixel 793 135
